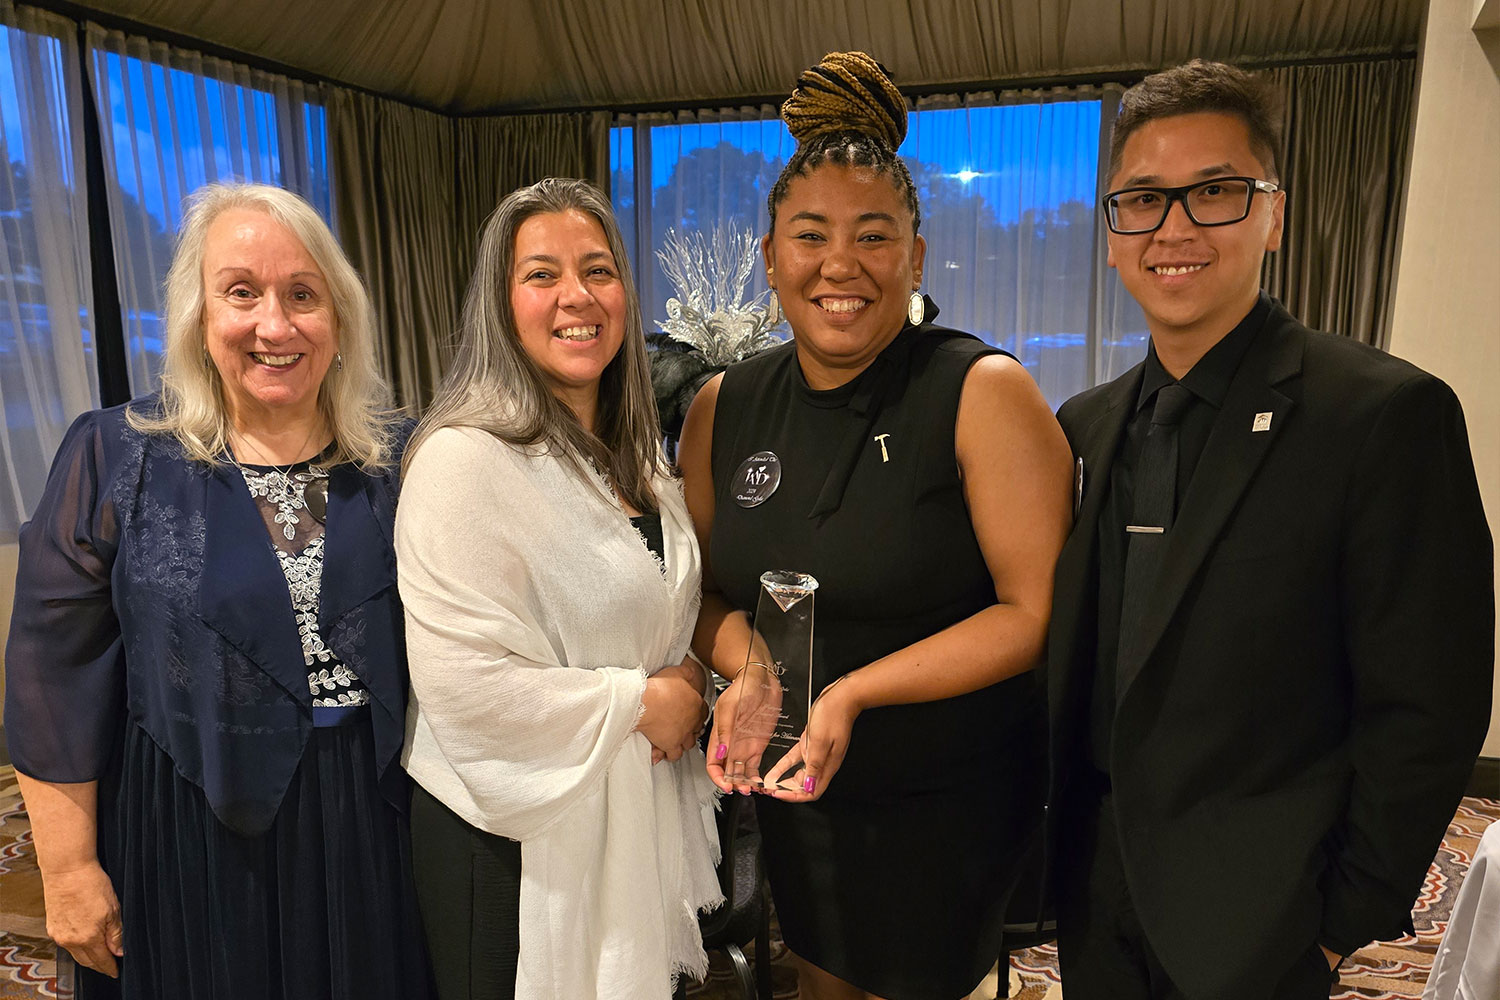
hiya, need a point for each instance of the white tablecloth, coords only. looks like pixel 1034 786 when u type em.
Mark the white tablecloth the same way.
pixel 1468 961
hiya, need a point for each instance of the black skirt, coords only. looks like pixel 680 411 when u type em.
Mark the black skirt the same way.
pixel 903 895
pixel 320 905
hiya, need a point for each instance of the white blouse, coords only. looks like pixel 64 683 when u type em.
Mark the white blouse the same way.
pixel 534 615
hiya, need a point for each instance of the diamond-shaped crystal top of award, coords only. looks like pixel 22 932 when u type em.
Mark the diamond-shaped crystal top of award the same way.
pixel 787 587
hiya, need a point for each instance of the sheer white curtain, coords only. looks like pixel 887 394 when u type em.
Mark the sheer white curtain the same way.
pixel 1008 184
pixel 1120 333
pixel 47 369
pixel 171 121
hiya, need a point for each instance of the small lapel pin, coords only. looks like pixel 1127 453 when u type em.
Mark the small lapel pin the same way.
pixel 1262 423
pixel 885 456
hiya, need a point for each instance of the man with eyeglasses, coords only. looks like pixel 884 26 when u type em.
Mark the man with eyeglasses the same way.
pixel 1272 640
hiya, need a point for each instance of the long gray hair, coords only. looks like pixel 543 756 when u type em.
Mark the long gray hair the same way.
pixel 353 399
pixel 494 384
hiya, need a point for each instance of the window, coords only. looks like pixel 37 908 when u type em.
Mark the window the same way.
pixel 688 177
pixel 170 122
pixel 1008 192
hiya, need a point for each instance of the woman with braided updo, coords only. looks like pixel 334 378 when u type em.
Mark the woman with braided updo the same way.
pixel 924 483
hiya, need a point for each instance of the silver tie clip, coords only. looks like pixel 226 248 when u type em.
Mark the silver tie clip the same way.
pixel 1144 529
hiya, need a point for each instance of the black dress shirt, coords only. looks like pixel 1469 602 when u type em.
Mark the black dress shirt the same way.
pixel 1208 381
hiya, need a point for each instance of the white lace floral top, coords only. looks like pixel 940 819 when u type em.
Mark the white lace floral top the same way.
pixel 294 503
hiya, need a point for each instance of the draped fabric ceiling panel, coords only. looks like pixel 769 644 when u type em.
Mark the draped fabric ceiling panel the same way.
pixel 496 56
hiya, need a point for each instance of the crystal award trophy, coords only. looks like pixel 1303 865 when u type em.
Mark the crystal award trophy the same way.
pixel 776 683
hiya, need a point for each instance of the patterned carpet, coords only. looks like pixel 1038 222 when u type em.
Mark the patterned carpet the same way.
pixel 1391 970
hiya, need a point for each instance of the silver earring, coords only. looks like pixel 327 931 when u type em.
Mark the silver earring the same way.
pixel 338 362
pixel 773 308
pixel 916 309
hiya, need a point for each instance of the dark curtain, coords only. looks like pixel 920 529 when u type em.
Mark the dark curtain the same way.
pixel 494 156
pixel 1348 129
pixel 412 189
pixel 393 197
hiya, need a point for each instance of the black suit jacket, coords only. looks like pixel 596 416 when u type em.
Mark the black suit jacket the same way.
pixel 1311 682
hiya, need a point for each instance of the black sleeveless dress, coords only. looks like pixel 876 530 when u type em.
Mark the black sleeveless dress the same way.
pixel 896 879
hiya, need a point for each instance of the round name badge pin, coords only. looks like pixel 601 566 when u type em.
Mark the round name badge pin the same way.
pixel 756 479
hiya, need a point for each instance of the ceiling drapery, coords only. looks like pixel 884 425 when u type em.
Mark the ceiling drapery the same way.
pixel 489 56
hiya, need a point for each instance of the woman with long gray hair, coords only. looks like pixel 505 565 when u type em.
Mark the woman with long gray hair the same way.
pixel 550 576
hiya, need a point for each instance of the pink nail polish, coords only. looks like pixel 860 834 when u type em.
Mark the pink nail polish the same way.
pixel 809 783
pixel 721 753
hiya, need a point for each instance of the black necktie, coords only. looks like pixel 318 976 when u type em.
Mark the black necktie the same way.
pixel 1154 507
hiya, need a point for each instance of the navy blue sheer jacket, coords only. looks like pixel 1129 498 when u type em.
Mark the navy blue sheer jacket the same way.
pixel 148 594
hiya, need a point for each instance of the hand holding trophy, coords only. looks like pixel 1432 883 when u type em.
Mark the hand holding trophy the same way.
pixel 773 693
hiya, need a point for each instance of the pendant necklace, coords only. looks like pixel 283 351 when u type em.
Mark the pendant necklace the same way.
pixel 288 493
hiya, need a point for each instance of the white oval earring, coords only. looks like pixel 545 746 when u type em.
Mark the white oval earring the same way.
pixel 916 309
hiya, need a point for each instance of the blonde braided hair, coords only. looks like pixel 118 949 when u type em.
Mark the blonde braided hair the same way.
pixel 847 91
pixel 846 111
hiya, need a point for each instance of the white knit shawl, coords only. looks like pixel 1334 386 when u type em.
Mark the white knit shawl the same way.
pixel 534 615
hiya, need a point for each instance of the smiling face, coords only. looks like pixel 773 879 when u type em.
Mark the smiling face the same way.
pixel 844 263
pixel 268 319
pixel 1194 282
pixel 569 303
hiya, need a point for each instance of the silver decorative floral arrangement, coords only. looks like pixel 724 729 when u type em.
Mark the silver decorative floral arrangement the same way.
pixel 709 326
pixel 710 272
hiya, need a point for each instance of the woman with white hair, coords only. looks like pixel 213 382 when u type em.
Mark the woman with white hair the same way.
pixel 205 674
pixel 562 824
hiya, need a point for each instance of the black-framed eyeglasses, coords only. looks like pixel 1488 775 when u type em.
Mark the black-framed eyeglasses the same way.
pixel 1222 201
